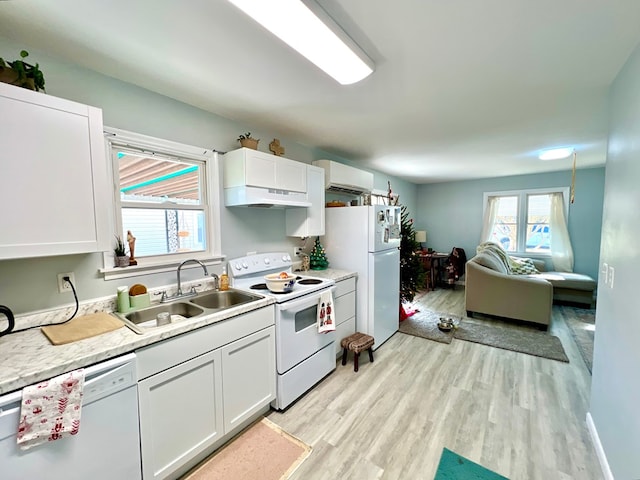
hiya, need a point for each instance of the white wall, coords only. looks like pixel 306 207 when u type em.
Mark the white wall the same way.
pixel 30 284
pixel 615 388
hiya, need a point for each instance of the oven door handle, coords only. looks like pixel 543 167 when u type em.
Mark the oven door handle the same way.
pixel 305 302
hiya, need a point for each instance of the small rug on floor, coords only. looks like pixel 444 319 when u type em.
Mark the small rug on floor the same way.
pixel 261 452
pixel 582 325
pixel 513 337
pixel 424 323
pixel 455 467
pixel 505 335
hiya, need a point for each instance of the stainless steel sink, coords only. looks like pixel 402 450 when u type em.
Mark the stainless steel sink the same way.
pixel 147 317
pixel 217 299
pixel 204 303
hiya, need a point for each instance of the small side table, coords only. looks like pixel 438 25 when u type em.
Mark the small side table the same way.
pixel 433 263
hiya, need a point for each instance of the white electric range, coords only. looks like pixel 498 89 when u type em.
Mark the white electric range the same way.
pixel 303 356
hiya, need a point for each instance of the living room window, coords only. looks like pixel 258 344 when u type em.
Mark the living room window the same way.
pixel 163 195
pixel 521 221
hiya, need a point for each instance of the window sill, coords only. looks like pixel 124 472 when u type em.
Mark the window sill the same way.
pixel 531 254
pixel 114 273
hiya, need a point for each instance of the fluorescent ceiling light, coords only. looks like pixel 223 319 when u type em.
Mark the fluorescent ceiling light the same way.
pixel 556 153
pixel 321 41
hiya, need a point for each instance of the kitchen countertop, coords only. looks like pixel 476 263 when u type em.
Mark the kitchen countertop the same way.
pixel 28 357
pixel 331 273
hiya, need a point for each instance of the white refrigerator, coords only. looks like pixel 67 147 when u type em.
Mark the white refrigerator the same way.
pixel 366 239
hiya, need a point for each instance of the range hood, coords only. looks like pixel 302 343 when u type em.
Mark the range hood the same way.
pixel 341 178
pixel 246 196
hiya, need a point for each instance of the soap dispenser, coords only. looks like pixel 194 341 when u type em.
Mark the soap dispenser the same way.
pixel 224 279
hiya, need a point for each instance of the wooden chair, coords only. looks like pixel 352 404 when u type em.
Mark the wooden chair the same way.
pixel 428 266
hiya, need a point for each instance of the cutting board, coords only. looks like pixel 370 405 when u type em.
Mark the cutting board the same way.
pixel 81 327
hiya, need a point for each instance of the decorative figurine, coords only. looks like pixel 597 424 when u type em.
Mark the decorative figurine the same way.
pixel 132 243
pixel 276 148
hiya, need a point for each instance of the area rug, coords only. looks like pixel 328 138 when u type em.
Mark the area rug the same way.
pixel 582 325
pixel 261 452
pixel 424 323
pixel 505 335
pixel 455 467
pixel 513 338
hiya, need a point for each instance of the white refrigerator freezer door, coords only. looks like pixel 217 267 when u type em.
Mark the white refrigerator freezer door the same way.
pixel 384 227
pixel 384 295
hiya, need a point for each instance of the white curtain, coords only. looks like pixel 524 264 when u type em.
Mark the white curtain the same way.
pixel 561 251
pixel 490 214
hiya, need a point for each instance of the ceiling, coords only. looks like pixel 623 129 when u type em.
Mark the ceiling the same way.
pixel 462 88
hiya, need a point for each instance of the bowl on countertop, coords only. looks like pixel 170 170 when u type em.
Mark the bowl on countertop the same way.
pixel 278 283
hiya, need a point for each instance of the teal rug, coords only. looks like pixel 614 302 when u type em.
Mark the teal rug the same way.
pixel 455 467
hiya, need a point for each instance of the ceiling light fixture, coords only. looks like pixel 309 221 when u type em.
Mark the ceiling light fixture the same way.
pixel 321 41
pixel 556 153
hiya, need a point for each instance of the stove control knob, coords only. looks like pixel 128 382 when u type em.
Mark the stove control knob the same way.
pixel 237 266
pixel 267 261
pixel 286 258
pixel 245 265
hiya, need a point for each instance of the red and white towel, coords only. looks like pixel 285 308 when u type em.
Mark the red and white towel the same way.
pixel 326 313
pixel 51 409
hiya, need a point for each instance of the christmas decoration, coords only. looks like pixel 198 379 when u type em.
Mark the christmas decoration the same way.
pixel 411 271
pixel 318 259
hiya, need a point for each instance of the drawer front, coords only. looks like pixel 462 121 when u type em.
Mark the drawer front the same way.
pixel 345 286
pixel 345 307
pixel 344 330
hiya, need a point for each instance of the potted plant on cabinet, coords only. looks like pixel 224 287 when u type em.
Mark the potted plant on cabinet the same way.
pixel 246 140
pixel 21 73
pixel 120 252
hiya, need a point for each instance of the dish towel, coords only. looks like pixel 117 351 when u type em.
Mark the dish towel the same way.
pixel 51 409
pixel 326 313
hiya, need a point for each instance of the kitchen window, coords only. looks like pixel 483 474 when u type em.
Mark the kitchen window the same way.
pixel 165 194
pixel 520 220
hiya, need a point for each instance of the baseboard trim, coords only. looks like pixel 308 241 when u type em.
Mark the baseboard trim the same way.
pixel 602 458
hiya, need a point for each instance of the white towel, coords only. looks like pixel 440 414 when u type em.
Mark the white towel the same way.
pixel 51 409
pixel 326 313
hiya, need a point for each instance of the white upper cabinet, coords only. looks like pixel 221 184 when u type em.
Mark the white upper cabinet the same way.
pixel 54 176
pixel 308 222
pixel 247 167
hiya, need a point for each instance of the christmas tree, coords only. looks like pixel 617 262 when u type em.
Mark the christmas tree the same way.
pixel 318 259
pixel 411 271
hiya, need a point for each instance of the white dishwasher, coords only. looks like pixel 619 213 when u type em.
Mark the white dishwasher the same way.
pixel 107 445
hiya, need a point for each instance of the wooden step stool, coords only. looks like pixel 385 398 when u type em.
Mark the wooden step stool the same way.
pixel 356 343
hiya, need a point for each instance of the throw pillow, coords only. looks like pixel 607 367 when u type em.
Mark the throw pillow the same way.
pixel 522 266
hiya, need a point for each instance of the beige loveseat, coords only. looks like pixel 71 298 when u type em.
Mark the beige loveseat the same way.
pixel 492 290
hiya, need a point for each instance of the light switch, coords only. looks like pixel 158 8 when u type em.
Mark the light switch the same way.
pixel 611 275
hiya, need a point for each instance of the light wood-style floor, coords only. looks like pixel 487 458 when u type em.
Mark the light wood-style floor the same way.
pixel 518 415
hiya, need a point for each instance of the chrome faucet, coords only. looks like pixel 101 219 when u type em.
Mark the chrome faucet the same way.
pixel 206 272
pixel 179 293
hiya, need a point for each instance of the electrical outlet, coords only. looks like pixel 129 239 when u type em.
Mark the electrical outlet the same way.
pixel 297 251
pixel 63 285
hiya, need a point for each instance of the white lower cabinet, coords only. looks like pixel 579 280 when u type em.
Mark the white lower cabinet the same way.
pixel 199 389
pixel 180 414
pixel 248 370
pixel 344 300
